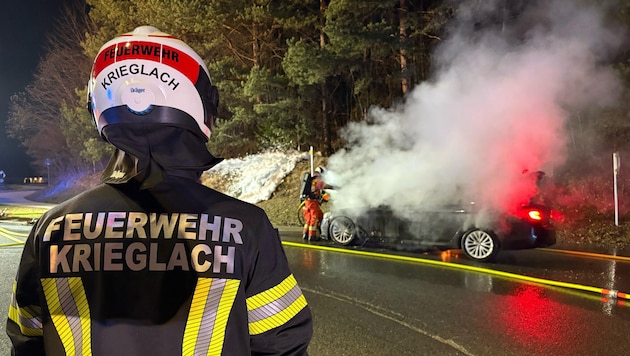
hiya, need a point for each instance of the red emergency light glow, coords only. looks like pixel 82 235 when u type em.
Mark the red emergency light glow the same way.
pixel 535 215
pixel 556 216
pixel 540 215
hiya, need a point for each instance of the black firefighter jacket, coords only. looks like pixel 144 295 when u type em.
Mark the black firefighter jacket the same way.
pixel 176 269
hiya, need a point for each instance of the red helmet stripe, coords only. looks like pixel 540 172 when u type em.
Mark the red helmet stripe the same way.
pixel 150 51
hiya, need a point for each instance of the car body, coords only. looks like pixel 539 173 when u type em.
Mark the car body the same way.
pixel 444 227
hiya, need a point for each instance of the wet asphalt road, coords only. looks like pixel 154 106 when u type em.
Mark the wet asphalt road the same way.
pixel 365 305
pixel 9 259
pixel 371 305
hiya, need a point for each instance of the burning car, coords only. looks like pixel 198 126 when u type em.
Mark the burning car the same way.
pixel 479 234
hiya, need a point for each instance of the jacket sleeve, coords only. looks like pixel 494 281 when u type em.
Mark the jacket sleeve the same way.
pixel 24 323
pixel 280 321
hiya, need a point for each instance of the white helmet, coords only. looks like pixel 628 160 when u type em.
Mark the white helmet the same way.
pixel 320 170
pixel 150 76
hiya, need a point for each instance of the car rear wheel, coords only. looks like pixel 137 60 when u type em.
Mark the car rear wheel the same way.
pixel 342 230
pixel 480 245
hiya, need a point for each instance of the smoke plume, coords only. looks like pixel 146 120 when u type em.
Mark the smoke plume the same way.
pixel 497 105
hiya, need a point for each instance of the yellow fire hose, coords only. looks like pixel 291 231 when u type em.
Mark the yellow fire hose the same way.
pixel 17 237
pixel 606 292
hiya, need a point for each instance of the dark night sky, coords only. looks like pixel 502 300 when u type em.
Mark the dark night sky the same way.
pixel 24 24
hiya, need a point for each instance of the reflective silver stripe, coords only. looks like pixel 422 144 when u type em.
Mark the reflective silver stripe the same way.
pixel 206 328
pixel 69 308
pixel 70 313
pixel 275 306
pixel 31 323
pixel 208 316
pixel 28 318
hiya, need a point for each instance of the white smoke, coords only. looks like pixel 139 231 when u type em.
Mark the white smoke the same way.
pixel 498 105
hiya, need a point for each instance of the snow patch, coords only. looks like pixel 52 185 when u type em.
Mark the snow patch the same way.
pixel 255 177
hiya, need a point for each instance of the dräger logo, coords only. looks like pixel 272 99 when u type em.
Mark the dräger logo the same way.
pixel 137 90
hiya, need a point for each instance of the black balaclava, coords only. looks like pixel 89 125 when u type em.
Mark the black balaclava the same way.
pixel 147 152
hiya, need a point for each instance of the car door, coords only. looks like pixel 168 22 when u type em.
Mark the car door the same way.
pixel 437 226
pixel 381 223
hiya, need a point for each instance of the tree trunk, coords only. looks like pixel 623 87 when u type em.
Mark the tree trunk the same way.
pixel 326 127
pixel 402 23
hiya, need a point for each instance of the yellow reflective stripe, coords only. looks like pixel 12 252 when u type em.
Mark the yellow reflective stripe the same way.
pixel 223 313
pixel 209 312
pixel 274 307
pixel 28 318
pixel 80 299
pixel 279 318
pixel 263 298
pixel 70 314
pixel 56 313
pixel 195 316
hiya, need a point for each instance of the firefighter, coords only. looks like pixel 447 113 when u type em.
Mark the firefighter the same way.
pixel 313 213
pixel 542 189
pixel 151 262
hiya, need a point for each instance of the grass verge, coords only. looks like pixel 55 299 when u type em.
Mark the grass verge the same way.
pixel 20 212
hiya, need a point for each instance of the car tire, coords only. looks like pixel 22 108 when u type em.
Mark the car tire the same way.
pixel 342 231
pixel 480 245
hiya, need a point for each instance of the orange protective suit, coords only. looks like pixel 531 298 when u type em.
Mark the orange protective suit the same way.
pixel 312 211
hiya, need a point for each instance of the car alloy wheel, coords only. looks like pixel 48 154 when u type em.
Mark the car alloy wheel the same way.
pixel 480 245
pixel 342 230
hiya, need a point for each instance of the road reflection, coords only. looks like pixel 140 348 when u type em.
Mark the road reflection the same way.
pixel 533 265
pixel 529 317
pixel 483 313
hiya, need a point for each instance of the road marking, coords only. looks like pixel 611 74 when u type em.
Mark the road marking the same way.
pixel 611 293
